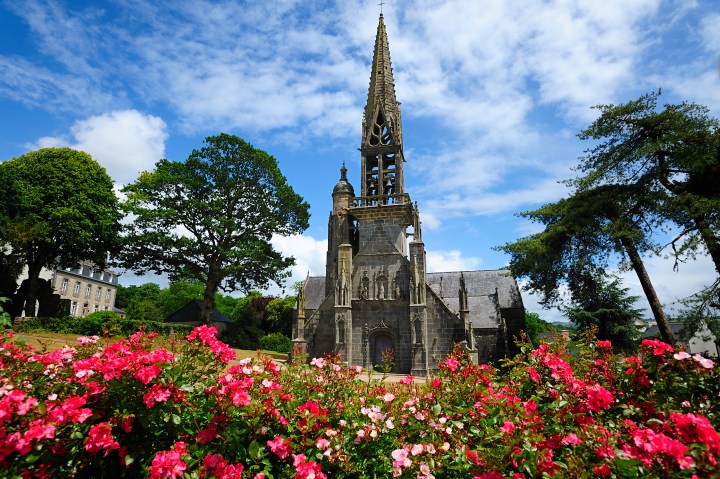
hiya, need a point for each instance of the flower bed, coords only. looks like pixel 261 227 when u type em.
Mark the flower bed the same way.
pixel 130 411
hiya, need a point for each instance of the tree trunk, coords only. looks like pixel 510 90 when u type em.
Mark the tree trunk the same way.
pixel 32 291
pixel 209 300
pixel 712 242
pixel 650 293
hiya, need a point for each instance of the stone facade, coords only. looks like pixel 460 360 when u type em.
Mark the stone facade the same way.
pixel 87 289
pixel 376 295
pixel 75 291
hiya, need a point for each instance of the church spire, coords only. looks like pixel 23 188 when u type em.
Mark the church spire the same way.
pixel 381 94
pixel 381 147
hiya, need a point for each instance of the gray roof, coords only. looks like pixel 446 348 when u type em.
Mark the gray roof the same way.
pixel 480 284
pixel 654 330
pixel 190 312
pixel 314 291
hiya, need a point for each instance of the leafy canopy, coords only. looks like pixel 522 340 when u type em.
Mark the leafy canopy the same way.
pixel 58 208
pixel 211 218
pixel 672 154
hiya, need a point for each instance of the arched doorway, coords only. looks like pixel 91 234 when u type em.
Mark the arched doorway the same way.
pixel 383 344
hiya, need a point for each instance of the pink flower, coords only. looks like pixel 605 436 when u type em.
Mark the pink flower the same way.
pixel 99 438
pixel 681 355
pixel 604 344
pixel 319 362
pixel 306 469
pixel 507 427
pixel 407 379
pixel 388 397
pixel 571 439
pixel 87 340
pixel 452 364
pixel 533 374
pixel 704 362
pixel 659 348
pixel 598 398
pixel 280 446
pixel 417 449
pixel 602 470
pixel 490 475
pixel 169 463
pixel 145 374
pixel 207 335
pixel 157 393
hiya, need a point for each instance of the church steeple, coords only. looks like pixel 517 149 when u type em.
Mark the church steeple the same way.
pixel 381 147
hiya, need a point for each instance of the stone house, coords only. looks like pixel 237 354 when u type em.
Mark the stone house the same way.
pixel 377 296
pixel 86 289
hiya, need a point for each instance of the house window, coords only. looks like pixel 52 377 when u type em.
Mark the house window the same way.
pixel 96 308
pixel 76 290
pixel 64 285
pixel 98 293
pixel 73 308
pixel 106 308
pixel 107 295
pixel 88 290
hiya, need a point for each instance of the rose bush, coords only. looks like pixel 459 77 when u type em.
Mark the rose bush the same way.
pixel 128 410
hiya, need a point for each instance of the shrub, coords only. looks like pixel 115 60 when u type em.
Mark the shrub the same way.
pixel 276 342
pixel 242 336
pixel 127 410
pixel 97 322
pixel 101 323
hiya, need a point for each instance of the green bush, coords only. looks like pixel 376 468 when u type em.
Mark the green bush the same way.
pixel 276 342
pixel 102 323
pixel 242 336
pixel 64 325
pixel 95 323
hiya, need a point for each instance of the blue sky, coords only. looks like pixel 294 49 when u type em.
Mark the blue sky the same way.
pixel 493 94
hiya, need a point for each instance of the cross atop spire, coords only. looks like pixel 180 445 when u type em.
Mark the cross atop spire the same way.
pixel 381 5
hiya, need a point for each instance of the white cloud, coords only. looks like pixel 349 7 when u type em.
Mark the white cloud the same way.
pixel 309 254
pixel 670 285
pixel 124 142
pixel 453 260
pixel 711 33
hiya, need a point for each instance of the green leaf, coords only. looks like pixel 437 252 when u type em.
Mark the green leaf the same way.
pixel 254 450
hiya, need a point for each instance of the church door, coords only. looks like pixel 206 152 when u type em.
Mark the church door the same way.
pixel 383 343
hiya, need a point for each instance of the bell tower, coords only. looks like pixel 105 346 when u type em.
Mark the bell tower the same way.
pixel 381 147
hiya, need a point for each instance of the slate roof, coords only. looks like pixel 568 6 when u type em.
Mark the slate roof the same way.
pixel 190 312
pixel 314 292
pixel 653 330
pixel 480 284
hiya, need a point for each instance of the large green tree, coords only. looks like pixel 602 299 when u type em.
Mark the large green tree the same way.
pixel 606 306
pixel 211 218
pixel 57 208
pixel 584 234
pixel 672 154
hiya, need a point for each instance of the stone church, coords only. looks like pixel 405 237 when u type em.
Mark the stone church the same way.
pixel 376 295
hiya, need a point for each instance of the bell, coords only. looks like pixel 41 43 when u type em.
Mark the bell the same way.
pixel 372 185
pixel 389 182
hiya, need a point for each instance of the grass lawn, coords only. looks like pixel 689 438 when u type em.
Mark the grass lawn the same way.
pixel 53 341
